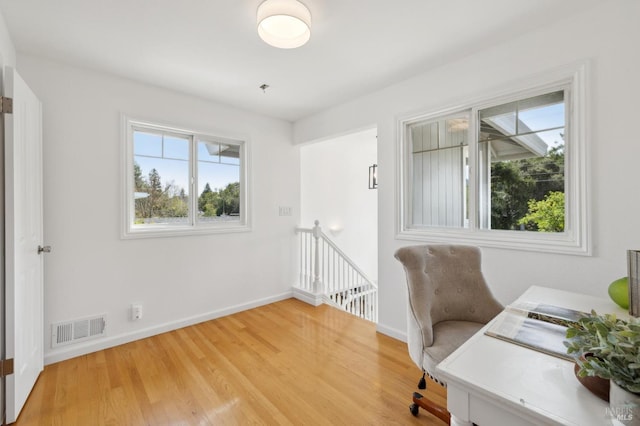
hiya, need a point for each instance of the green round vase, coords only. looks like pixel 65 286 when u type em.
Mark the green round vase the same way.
pixel 619 292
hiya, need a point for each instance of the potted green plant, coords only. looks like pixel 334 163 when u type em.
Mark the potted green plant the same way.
pixel 609 347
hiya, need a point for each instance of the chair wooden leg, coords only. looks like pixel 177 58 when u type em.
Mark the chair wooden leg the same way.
pixel 430 406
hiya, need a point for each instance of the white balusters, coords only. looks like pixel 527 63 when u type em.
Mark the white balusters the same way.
pixel 325 269
pixel 317 234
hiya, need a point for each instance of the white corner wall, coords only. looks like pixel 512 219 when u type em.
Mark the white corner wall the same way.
pixel 607 37
pixel 179 280
pixel 334 190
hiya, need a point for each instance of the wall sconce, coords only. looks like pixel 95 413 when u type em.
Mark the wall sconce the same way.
pixel 373 176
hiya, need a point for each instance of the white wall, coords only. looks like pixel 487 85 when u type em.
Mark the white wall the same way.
pixel 179 280
pixel 334 190
pixel 7 50
pixel 607 36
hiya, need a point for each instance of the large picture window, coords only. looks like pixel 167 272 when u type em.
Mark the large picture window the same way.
pixel 181 182
pixel 507 172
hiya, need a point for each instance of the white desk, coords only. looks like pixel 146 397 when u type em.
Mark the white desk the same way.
pixel 492 382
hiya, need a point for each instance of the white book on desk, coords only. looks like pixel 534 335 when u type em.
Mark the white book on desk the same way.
pixel 540 327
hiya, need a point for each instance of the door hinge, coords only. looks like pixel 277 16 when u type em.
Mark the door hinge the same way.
pixel 6 105
pixel 6 367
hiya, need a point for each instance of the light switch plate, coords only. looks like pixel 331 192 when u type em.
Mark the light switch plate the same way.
pixel 285 211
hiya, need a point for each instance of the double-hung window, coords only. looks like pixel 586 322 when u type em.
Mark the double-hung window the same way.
pixel 183 182
pixel 505 172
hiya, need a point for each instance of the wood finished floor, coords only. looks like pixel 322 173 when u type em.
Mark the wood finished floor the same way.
pixel 287 363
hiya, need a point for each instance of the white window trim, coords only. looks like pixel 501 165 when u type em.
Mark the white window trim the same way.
pixel 576 238
pixel 130 231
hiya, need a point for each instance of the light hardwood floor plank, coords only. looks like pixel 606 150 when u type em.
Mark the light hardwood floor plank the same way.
pixel 287 363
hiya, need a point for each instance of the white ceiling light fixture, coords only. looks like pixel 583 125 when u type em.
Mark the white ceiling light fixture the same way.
pixel 284 23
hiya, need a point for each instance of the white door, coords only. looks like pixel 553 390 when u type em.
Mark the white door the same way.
pixel 23 237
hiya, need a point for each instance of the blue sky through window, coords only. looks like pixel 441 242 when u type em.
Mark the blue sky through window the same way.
pixel 170 157
pixel 549 116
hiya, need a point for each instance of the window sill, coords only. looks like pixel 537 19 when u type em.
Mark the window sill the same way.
pixel 564 243
pixel 163 232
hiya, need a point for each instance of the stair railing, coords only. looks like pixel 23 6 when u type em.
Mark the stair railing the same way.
pixel 327 271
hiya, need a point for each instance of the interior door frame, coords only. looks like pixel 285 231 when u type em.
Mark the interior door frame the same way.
pixel 3 350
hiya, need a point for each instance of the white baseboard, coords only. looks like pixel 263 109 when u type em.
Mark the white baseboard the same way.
pixel 392 332
pixel 111 341
pixel 315 299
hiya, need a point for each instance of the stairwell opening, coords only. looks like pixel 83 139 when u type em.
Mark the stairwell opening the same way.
pixel 335 190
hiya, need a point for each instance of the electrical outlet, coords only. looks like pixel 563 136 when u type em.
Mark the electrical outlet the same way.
pixel 136 311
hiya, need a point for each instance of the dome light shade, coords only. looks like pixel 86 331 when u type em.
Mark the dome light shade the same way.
pixel 284 23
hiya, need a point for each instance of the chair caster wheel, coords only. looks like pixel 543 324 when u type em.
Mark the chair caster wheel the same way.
pixel 414 409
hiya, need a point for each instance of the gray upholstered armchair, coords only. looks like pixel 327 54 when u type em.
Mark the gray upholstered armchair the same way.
pixel 449 301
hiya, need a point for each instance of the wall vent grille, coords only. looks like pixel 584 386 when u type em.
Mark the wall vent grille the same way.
pixel 79 330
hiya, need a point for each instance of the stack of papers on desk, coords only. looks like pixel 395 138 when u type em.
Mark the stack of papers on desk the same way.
pixel 536 326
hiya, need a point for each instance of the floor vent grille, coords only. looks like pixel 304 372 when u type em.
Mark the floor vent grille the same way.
pixel 64 333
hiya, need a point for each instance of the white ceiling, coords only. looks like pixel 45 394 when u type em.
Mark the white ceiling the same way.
pixel 210 48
